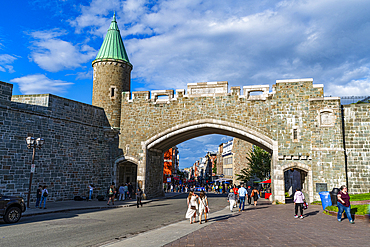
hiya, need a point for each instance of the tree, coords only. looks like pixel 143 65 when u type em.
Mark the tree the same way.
pixel 214 168
pixel 259 165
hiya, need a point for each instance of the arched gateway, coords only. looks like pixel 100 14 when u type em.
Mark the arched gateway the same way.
pixel 293 121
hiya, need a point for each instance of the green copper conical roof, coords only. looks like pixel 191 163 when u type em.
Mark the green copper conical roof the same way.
pixel 112 47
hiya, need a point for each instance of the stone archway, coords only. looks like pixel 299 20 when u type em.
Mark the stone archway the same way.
pixel 125 170
pixel 153 148
pixel 306 182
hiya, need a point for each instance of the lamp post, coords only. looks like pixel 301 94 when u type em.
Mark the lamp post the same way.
pixel 33 143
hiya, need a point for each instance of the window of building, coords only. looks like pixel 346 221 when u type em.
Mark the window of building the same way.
pixel 228 171
pixel 112 92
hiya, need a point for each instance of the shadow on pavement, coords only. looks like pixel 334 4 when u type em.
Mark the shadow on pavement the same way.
pixel 311 213
pixel 52 216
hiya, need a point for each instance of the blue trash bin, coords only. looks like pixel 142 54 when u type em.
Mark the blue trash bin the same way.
pixel 325 199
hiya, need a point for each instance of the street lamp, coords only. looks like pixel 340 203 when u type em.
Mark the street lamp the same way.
pixel 33 143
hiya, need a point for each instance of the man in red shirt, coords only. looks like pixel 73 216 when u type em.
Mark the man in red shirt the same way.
pixel 235 189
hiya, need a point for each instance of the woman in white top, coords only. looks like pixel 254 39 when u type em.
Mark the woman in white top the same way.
pixel 192 207
pixel 203 206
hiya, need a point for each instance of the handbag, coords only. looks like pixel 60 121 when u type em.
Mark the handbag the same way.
pixel 207 210
pixel 305 205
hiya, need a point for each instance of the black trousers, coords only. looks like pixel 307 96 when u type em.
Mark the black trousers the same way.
pixel 300 206
pixel 138 201
pixel 249 199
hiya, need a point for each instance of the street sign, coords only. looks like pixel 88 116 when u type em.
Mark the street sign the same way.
pixel 33 168
pixel 168 180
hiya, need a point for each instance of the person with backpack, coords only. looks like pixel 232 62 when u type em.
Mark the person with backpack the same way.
pixel 255 195
pixel 111 194
pixel 298 203
pixel 231 198
pixel 44 196
pixel 249 194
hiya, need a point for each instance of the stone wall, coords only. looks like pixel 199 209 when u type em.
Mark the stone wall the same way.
pixel 75 152
pixel 294 122
pixel 357 141
pixel 240 152
pixel 111 78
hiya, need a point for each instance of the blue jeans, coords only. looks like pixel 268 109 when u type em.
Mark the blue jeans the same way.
pixel 90 194
pixel 43 198
pixel 342 208
pixel 242 201
pixel 38 201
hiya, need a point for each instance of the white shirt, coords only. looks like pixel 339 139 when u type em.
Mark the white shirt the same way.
pixel 242 191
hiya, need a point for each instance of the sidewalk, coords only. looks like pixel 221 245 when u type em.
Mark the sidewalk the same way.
pixel 264 225
pixel 70 205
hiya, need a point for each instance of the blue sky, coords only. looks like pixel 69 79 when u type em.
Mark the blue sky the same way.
pixel 47 46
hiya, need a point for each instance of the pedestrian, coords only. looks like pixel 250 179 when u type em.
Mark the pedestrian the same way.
pixel 298 203
pixel 171 187
pixel 191 213
pixel 44 196
pixel 125 188
pixel 91 189
pixel 235 190
pixel 255 194
pixel 111 194
pixel 38 196
pixel 242 193
pixel 121 193
pixel 231 198
pixel 130 190
pixel 220 188
pixel 139 194
pixel 344 204
pixel 203 207
pixel 249 194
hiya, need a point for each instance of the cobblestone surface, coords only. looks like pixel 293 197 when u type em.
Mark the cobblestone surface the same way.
pixel 267 225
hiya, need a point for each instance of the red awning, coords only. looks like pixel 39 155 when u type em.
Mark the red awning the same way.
pixel 266 182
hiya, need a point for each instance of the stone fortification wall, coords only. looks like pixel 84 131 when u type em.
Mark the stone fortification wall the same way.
pixel 357 141
pixel 240 150
pixel 301 127
pixel 75 152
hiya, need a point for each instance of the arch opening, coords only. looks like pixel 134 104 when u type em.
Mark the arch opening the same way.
pixel 155 146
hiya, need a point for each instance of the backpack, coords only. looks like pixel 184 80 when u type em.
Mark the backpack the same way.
pixel 45 194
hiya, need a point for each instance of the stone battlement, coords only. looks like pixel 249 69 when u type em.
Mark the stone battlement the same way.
pixel 219 89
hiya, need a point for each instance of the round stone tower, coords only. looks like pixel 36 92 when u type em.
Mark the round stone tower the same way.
pixel 112 75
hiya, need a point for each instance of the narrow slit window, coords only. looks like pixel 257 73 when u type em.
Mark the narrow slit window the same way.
pixel 112 92
pixel 295 134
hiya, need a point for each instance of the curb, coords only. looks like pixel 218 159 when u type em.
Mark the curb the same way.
pixel 130 204
pixel 355 216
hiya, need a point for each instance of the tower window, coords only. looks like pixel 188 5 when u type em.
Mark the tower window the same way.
pixel 112 92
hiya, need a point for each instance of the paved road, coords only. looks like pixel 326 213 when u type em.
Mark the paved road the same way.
pixel 94 227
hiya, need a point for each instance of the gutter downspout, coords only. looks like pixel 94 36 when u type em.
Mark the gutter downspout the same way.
pixel 344 145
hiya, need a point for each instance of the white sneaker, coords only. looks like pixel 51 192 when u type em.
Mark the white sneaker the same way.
pixel 296 216
pixel 301 217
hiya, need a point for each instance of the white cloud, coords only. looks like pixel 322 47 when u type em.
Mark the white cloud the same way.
pixel 5 61
pixel 54 54
pixel 38 84
pixel 172 43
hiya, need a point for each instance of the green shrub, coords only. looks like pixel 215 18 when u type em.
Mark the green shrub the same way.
pixel 360 197
pixel 287 194
pixel 355 209
pixel 316 203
